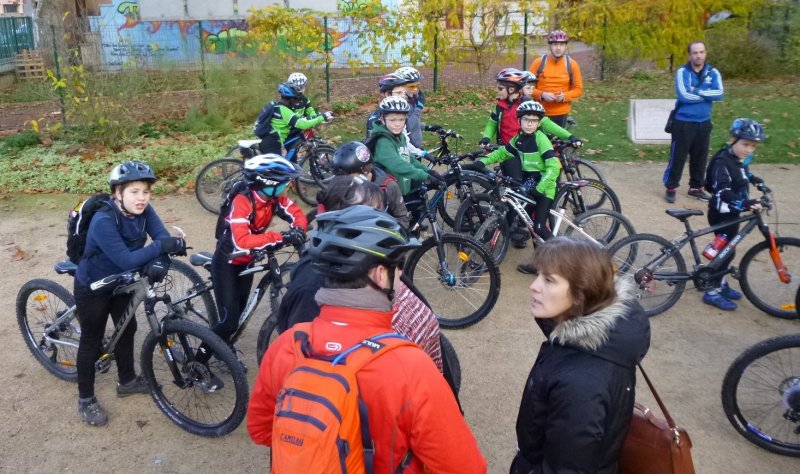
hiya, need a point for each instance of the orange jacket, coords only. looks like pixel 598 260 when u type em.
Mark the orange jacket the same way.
pixel 554 79
pixel 409 403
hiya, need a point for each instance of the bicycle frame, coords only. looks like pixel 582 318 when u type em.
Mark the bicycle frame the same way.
pixel 272 275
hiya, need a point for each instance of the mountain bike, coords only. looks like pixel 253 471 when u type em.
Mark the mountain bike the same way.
pixel 485 218
pixel 313 154
pixel 761 393
pixel 574 164
pixel 456 274
pixel 178 383
pixel 658 270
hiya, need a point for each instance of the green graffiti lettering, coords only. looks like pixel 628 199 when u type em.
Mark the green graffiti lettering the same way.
pixel 129 7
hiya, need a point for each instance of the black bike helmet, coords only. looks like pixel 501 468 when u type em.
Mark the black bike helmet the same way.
pixel 390 81
pixel 351 158
pixel 747 129
pixel 130 171
pixel 349 242
pixel 530 107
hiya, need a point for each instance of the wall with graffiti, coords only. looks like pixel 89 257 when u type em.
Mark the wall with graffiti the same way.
pixel 127 40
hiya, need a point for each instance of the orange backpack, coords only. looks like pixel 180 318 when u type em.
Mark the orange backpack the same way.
pixel 321 423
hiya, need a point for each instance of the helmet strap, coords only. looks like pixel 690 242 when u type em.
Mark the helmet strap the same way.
pixel 389 292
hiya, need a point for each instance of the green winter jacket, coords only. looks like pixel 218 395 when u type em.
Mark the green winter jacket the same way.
pixel 284 120
pixel 392 155
pixel 537 156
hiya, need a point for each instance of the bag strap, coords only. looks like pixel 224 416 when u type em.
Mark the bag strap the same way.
pixel 661 405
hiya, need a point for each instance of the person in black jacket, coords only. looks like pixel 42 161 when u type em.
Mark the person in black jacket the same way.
pixel 577 404
pixel 728 179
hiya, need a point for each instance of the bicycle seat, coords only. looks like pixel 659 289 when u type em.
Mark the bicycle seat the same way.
pixel 65 267
pixel 248 143
pixel 683 214
pixel 200 259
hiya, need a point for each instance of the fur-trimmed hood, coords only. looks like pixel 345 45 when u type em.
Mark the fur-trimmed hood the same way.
pixel 619 333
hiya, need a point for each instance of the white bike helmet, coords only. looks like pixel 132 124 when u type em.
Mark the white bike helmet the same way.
pixel 297 78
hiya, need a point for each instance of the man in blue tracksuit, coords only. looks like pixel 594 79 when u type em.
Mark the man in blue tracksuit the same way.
pixel 698 86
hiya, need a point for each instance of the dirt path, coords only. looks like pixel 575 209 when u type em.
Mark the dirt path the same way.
pixel 692 347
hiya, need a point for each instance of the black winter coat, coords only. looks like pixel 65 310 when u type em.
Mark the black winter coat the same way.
pixel 578 400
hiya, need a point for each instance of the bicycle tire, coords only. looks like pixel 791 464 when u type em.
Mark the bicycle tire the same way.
pixel 472 183
pixel 266 335
pixel 39 303
pixel 761 395
pixel 233 152
pixel 759 279
pixel 450 364
pixel 184 401
pixel 586 169
pixel 577 201
pixel 215 180
pixel 633 257
pixel 605 226
pixel 322 164
pixel 462 297
pixel 305 186
pixel 183 280
pixel 484 219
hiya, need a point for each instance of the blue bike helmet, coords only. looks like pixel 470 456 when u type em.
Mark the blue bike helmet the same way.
pixel 290 91
pixel 270 173
pixel 744 128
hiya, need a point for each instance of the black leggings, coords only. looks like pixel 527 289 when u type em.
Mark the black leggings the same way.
pixel 231 292
pixel 715 217
pixel 93 310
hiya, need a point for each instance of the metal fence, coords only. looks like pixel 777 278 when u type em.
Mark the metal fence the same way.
pixel 16 35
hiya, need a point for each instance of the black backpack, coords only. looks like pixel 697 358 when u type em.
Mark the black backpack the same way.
pixel 239 187
pixel 78 224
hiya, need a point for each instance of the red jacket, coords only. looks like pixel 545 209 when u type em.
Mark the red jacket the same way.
pixel 409 403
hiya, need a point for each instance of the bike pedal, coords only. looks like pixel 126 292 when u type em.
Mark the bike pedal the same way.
pixel 734 272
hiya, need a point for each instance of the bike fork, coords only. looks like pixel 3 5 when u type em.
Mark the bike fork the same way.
pixel 780 267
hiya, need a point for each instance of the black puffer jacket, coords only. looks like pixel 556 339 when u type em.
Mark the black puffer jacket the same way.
pixel 578 400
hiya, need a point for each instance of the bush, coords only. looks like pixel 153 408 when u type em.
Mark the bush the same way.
pixel 208 118
pixel 737 53
pixel 20 141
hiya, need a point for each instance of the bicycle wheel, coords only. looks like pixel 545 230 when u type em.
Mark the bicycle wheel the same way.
pixel 182 280
pixel 215 180
pixel 472 183
pixel 40 303
pixel 182 396
pixel 322 163
pixel 484 219
pixel 605 226
pixel 761 395
pixel 591 194
pixel 642 261
pixel 462 287
pixel 760 282
pixel 584 169
pixel 266 336
pixel 450 364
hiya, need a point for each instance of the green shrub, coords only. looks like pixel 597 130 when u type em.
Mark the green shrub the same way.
pixel 19 141
pixel 208 118
pixel 737 53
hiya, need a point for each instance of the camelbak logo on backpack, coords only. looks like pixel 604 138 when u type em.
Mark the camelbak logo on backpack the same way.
pixel 321 423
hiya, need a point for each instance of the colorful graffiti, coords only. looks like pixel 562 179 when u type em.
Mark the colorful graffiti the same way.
pixel 125 39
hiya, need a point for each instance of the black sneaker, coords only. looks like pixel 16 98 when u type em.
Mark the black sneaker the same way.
pixel 137 385
pixel 670 196
pixel 212 384
pixel 519 238
pixel 526 269
pixel 699 194
pixel 92 413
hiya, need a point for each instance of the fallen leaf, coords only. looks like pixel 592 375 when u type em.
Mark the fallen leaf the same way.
pixel 793 155
pixel 641 154
pixel 19 255
pixel 791 144
pixel 766 121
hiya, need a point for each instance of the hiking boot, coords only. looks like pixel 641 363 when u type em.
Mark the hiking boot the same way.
pixel 212 384
pixel 729 293
pixel 670 196
pixel 137 385
pixel 519 238
pixel 92 413
pixel 526 269
pixel 719 301
pixel 699 194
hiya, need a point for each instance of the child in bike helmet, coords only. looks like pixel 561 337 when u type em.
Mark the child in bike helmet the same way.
pixel 115 243
pixel 503 122
pixel 540 165
pixel 304 108
pixel 354 158
pixel 390 146
pixel 393 85
pixel 248 227
pixel 728 179
pixel 279 119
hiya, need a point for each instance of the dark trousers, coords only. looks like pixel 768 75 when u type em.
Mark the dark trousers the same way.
pixel 714 218
pixel 560 120
pixel 692 139
pixel 231 292
pixel 93 310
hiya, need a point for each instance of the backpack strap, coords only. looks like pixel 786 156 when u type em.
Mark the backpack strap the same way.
pixel 541 66
pixel 569 68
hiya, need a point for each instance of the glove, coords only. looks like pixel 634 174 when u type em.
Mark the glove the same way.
pixel 432 128
pixel 746 205
pixel 478 164
pixel 575 141
pixel 173 246
pixel 435 178
pixel 156 270
pixel 763 187
pixel 294 236
pixel 484 141
pixel 328 116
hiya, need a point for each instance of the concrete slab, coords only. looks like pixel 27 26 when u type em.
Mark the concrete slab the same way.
pixel 646 120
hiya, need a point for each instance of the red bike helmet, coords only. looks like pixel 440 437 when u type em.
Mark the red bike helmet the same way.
pixel 557 36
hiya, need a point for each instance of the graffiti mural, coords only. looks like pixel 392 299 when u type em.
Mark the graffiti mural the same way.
pixel 124 39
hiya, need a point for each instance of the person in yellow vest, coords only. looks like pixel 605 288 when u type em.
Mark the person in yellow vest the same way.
pixel 559 79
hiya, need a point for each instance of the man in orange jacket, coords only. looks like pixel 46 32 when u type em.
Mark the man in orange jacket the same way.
pixel 413 417
pixel 559 79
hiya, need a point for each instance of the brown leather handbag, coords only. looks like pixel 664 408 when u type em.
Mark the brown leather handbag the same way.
pixel 653 445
